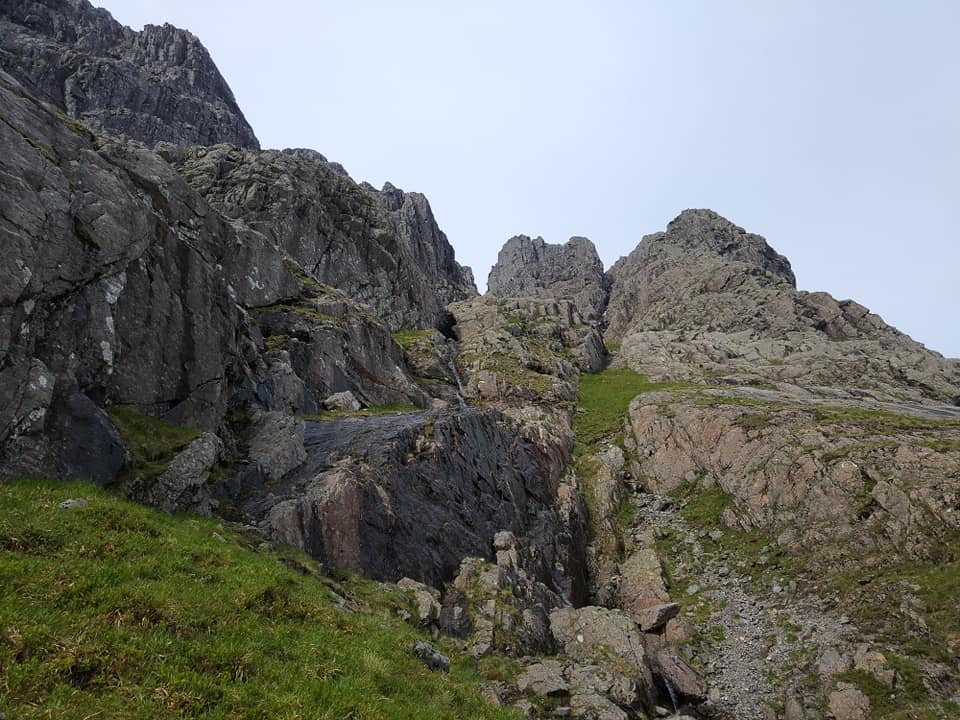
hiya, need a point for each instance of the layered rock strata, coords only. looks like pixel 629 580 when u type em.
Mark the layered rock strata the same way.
pixel 156 85
pixel 383 248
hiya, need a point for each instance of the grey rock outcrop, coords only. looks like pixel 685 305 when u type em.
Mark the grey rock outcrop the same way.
pixel 322 344
pixel 276 444
pixel 530 267
pixel 431 657
pixel 604 637
pixel 708 297
pixel 502 606
pixel 156 85
pixel 590 632
pixel 181 485
pixel 847 702
pixel 117 289
pixel 383 248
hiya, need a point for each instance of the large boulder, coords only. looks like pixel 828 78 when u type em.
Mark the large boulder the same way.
pixel 605 637
pixel 182 486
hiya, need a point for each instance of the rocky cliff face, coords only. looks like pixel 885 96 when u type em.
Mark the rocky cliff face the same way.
pixel 706 297
pixel 116 289
pixel 744 505
pixel 382 248
pixel 156 85
pixel 532 268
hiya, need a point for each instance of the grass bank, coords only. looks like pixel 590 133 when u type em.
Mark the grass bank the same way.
pixel 113 610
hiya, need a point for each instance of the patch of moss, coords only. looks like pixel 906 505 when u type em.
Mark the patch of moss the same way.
pixel 75 126
pixel 604 399
pixel 704 509
pixel 310 285
pixel 626 513
pixel 85 233
pixel 712 400
pixel 46 152
pixel 512 371
pixel 408 338
pixel 942 446
pixel 855 447
pixel 878 420
pixel 935 586
pixel 307 311
pixel 753 421
pixel 274 342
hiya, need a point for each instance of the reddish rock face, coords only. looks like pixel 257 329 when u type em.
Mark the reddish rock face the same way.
pixel 798 467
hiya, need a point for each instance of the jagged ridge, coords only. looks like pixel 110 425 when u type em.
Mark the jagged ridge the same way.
pixel 158 85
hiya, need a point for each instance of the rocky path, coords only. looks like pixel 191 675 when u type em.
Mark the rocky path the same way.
pixel 758 642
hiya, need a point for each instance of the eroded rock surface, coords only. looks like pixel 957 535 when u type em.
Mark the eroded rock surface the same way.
pixel 530 267
pixel 383 248
pixel 413 494
pixel 116 289
pixel 705 297
pixel 156 85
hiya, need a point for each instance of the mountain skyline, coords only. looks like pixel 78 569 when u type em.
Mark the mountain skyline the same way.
pixel 609 123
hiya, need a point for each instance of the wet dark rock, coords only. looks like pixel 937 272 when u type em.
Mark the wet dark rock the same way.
pixel 412 494
pixel 89 445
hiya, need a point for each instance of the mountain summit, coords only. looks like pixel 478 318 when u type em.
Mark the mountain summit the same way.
pixel 679 484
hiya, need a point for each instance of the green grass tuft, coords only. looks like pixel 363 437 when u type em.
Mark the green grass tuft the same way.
pixel 753 421
pixel 878 420
pixel 152 443
pixel 604 400
pixel 407 338
pixel 275 342
pixel 113 610
pixel 85 233
pixel 935 584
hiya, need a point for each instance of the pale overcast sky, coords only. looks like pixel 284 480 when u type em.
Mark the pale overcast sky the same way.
pixel 831 128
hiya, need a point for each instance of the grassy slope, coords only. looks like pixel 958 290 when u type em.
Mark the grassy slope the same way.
pixel 603 401
pixel 604 398
pixel 113 610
